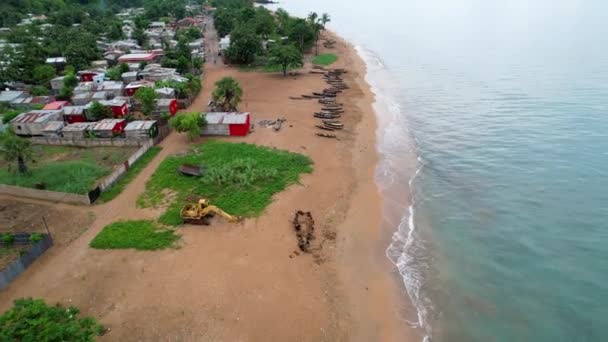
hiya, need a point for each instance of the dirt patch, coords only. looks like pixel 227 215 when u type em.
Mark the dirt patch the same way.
pixel 65 223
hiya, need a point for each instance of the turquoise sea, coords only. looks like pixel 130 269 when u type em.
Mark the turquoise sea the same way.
pixel 502 108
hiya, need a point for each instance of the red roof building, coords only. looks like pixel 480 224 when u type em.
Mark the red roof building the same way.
pixel 56 105
pixel 137 58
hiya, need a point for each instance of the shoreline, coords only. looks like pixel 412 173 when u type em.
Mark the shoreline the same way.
pixel 389 295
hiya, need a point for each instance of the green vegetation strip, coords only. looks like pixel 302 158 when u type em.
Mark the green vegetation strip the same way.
pixel 326 59
pixel 135 169
pixel 140 235
pixel 34 320
pixel 239 178
pixel 67 176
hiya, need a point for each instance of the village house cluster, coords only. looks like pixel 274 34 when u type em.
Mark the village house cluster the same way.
pixel 72 119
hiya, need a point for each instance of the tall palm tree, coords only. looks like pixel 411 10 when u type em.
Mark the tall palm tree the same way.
pixel 315 24
pixel 325 18
pixel 227 94
pixel 14 148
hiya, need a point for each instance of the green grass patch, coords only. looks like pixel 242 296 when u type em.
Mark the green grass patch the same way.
pixel 135 169
pixel 65 168
pixel 140 235
pixel 325 59
pixel 240 178
pixel 77 177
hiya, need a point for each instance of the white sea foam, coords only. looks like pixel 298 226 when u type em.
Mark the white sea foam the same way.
pixel 394 144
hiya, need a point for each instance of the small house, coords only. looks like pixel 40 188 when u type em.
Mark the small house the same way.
pixel 157 25
pixel 108 128
pixel 9 96
pixel 90 75
pixel 133 87
pixel 166 106
pixel 119 108
pixel 129 76
pixel 165 93
pixel 73 114
pixel 81 99
pixel 112 88
pixel 232 124
pixel 112 56
pixel 56 105
pixel 53 129
pixel 100 64
pixel 224 43
pixel 138 58
pixel 57 62
pixel 76 130
pixel 32 122
pixel 141 129
pixel 83 87
pixel 99 96
pixel 57 84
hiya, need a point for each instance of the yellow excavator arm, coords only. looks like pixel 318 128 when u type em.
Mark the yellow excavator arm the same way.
pixel 215 210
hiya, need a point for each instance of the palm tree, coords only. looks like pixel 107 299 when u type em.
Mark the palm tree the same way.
pixel 325 18
pixel 227 94
pixel 14 148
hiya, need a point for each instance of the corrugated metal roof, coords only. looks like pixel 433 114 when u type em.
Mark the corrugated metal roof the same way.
pixel 140 125
pixel 113 103
pixel 214 118
pixel 164 102
pixel 226 118
pixel 235 118
pixel 139 84
pixel 55 105
pixel 53 126
pixel 78 126
pixel 36 116
pixel 73 110
pixel 106 124
pixel 9 95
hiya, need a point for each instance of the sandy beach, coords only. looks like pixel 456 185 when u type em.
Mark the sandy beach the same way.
pixel 245 282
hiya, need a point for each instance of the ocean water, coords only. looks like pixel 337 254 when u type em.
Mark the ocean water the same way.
pixel 500 109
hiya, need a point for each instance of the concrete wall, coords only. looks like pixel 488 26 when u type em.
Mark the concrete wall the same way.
pixel 120 171
pixel 24 261
pixel 45 195
pixel 95 142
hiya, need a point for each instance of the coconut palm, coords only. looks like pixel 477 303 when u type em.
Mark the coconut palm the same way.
pixel 325 18
pixel 14 148
pixel 227 94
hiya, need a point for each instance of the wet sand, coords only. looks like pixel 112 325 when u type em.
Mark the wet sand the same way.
pixel 245 282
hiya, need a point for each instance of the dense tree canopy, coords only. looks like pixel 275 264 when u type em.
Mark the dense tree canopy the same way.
pixel 286 56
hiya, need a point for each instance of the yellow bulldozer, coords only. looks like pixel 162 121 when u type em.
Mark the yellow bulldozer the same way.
pixel 202 211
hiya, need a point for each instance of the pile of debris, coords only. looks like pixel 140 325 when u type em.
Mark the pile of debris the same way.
pixel 304 226
pixel 329 43
pixel 275 124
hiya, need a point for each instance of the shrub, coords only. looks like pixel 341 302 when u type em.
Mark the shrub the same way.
pixel 34 320
pixel 35 238
pixel 8 239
